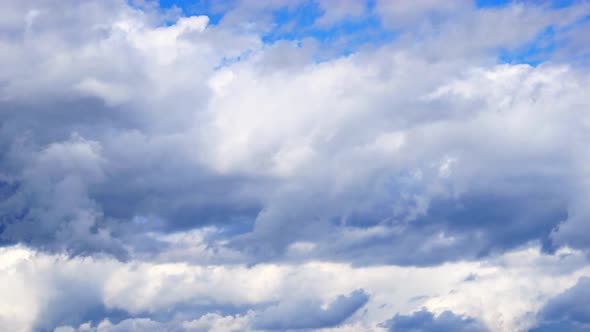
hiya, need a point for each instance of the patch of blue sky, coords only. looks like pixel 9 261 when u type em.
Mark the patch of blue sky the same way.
pixel 345 35
pixel 562 3
pixel 499 3
pixel 292 23
pixel 214 9
pixel 534 52
pixel 300 22
pixel 491 3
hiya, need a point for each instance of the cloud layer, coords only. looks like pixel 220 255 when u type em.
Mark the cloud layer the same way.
pixel 189 159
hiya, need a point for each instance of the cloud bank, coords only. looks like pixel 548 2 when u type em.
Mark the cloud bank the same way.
pixel 251 165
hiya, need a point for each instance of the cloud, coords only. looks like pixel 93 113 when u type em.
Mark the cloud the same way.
pixel 207 323
pixel 568 310
pixel 432 26
pixel 51 208
pixel 344 10
pixel 401 14
pixel 427 322
pixel 203 168
pixel 53 290
pixel 179 140
pixel 442 204
pixel 309 314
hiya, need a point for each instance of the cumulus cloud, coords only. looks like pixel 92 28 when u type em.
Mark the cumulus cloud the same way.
pixel 201 165
pixel 568 311
pixel 426 321
pixel 309 314
pixel 48 291
pixel 178 138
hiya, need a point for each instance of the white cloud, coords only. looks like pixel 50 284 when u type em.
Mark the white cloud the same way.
pixel 503 292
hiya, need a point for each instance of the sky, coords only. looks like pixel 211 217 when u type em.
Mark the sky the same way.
pixel 294 165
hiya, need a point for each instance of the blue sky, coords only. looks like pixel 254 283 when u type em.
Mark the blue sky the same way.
pixel 300 21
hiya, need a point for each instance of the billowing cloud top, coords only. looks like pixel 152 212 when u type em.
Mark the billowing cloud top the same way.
pixel 312 165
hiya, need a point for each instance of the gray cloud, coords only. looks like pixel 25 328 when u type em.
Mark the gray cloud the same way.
pixel 308 313
pixel 568 311
pixel 426 321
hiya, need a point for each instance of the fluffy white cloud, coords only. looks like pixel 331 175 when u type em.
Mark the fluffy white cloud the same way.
pixel 53 290
pixel 210 322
